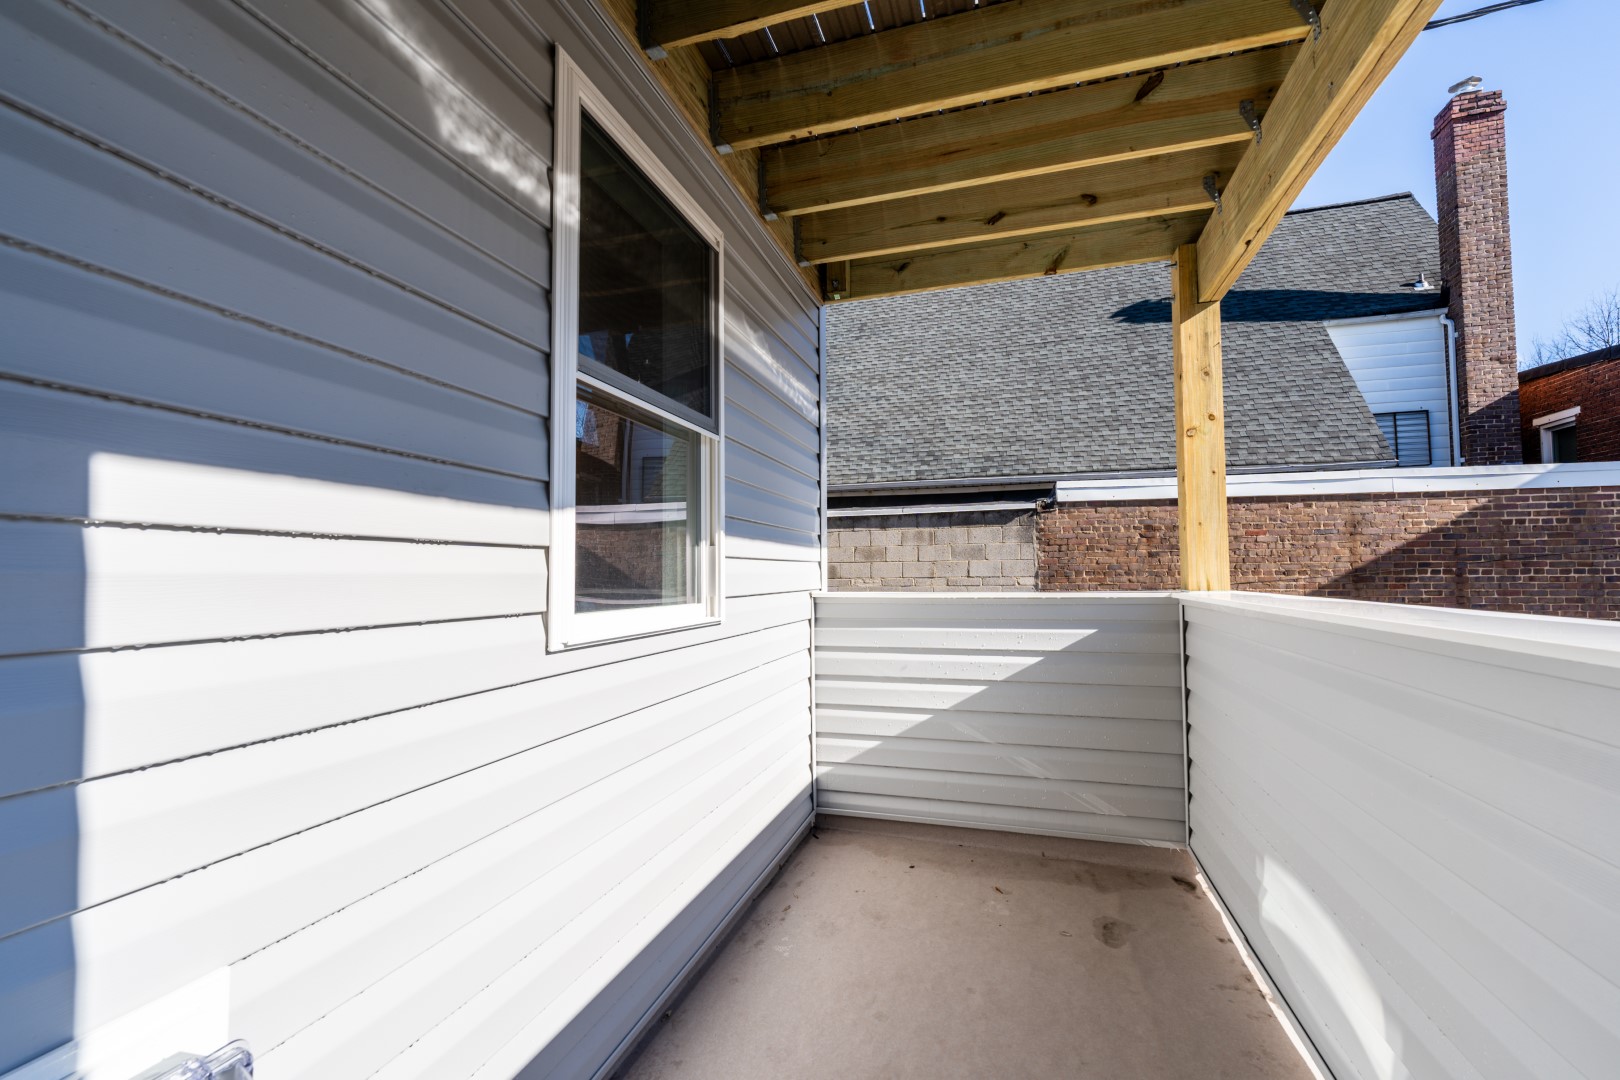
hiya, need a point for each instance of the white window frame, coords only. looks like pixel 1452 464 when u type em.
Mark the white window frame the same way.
pixel 1550 423
pixel 566 628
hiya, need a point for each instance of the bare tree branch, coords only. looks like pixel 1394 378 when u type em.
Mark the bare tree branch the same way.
pixel 1594 327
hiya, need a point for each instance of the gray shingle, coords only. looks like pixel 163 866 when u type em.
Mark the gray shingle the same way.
pixel 1071 375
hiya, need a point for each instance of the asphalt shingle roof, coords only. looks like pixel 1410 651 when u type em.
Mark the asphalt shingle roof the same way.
pixel 1071 375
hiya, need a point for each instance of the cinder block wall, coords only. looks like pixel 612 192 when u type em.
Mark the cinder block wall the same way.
pixel 1546 551
pixel 982 549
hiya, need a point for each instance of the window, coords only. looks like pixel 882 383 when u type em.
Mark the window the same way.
pixel 636 364
pixel 1408 436
pixel 1557 435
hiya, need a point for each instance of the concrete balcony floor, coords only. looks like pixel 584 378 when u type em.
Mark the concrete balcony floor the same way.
pixel 886 949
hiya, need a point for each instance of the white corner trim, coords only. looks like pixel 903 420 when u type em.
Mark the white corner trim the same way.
pixel 1358 481
pixel 1556 417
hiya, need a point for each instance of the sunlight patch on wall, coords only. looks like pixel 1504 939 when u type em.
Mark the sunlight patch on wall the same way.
pixel 1326 964
pixel 468 127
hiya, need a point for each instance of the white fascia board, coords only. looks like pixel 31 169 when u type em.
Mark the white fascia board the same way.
pixel 1428 314
pixel 1359 481
pixel 932 508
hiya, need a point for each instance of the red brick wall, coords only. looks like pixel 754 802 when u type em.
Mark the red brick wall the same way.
pixel 1595 388
pixel 1549 551
pixel 1476 261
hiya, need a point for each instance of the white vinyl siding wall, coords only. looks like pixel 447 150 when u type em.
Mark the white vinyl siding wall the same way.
pixel 273 683
pixel 1410 814
pixel 1057 714
pixel 1399 364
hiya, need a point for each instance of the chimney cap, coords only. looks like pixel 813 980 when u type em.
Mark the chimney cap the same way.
pixel 1471 83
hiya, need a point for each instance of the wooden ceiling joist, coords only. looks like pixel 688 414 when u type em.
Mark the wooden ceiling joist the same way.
pixel 993 52
pixel 1333 78
pixel 1117 244
pixel 669 24
pixel 1182 108
pixel 1142 187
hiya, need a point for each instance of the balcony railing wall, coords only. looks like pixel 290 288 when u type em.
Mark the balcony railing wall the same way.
pixel 1057 714
pixel 1410 814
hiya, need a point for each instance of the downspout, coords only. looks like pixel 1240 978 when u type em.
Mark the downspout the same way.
pixel 1452 378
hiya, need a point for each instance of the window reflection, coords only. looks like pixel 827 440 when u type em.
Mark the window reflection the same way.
pixel 636 507
pixel 646 285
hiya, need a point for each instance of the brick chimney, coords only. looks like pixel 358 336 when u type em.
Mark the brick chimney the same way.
pixel 1476 261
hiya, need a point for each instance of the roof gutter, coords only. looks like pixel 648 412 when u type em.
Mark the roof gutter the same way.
pixel 1453 409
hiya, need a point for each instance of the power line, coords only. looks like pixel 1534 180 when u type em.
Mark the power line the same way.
pixel 1477 13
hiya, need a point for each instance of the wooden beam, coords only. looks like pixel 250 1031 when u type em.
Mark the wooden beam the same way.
pixel 1335 75
pixel 1143 187
pixel 1142 240
pixel 1180 109
pixel 668 24
pixel 992 52
pixel 1200 431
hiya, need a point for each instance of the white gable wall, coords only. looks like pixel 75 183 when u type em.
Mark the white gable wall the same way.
pixel 1400 363
pixel 275 703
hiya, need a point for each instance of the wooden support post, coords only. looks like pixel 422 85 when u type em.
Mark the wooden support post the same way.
pixel 1200 431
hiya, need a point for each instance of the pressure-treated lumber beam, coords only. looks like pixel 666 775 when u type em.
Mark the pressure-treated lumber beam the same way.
pixel 991 52
pixel 1200 431
pixel 1180 109
pixel 1143 187
pixel 667 24
pixel 1335 75
pixel 1142 240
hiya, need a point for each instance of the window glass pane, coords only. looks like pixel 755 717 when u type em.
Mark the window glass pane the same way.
pixel 646 281
pixel 1563 443
pixel 637 510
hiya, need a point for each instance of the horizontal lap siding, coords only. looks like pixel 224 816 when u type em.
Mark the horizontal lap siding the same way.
pixel 1400 366
pixel 275 278
pixel 1053 715
pixel 1415 836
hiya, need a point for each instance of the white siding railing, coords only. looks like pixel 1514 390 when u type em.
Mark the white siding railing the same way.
pixel 1410 813
pixel 1053 714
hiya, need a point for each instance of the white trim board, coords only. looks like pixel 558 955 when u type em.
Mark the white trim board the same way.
pixel 1556 417
pixel 932 508
pixel 1434 314
pixel 1358 481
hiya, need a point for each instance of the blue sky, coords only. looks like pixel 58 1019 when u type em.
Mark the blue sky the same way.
pixel 1556 63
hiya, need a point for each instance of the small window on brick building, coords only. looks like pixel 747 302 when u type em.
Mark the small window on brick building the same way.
pixel 1558 435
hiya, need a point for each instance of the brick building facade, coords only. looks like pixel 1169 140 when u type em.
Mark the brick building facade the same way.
pixel 1591 383
pixel 1542 551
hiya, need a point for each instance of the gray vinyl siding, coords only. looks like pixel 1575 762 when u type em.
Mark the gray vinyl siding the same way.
pixel 1058 714
pixel 274 688
pixel 1410 816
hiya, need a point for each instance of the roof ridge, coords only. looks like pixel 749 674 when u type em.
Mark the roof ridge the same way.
pixel 1352 202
